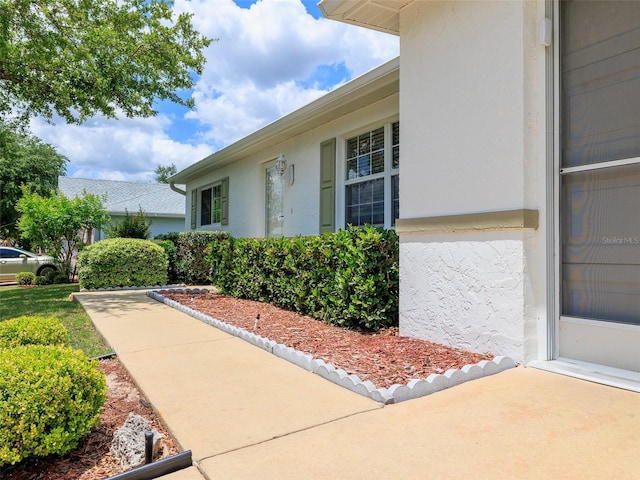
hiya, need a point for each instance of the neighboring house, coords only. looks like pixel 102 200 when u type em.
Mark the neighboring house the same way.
pixel 162 206
pixel 519 198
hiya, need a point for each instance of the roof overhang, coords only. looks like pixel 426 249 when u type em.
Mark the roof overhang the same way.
pixel 381 15
pixel 120 213
pixel 371 87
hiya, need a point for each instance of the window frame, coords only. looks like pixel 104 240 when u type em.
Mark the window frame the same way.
pixel 387 174
pixel 200 190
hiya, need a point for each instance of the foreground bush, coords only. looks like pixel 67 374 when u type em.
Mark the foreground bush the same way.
pixel 28 330
pixel 350 278
pixel 122 262
pixel 50 397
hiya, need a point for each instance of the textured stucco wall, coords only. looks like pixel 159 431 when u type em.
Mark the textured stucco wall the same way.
pixel 464 290
pixel 472 111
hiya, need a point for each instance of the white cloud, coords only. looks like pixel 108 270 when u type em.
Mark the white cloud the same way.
pixel 245 108
pixel 263 66
pixel 264 60
pixel 127 149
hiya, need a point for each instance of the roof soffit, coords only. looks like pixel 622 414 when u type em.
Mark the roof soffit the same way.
pixel 381 15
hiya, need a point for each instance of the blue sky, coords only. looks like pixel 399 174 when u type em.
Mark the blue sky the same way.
pixel 271 57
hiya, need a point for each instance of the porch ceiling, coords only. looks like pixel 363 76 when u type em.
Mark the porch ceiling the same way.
pixel 382 15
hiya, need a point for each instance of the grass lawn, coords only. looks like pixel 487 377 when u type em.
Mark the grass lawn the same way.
pixel 53 300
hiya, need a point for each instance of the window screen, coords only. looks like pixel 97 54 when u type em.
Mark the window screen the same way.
pixel 600 208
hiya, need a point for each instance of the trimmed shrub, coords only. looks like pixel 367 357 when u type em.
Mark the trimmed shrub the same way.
pixel 122 262
pixel 25 278
pixel 51 396
pixel 34 330
pixel 58 278
pixel 171 236
pixel 171 252
pixel 192 265
pixel 52 277
pixel 350 278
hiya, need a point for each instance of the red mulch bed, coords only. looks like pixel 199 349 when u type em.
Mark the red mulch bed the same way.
pixel 384 358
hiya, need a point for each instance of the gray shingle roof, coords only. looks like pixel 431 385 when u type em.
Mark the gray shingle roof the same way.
pixel 156 199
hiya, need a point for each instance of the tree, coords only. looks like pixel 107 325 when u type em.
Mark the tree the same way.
pixel 59 224
pixel 163 172
pixel 132 226
pixel 24 160
pixel 78 58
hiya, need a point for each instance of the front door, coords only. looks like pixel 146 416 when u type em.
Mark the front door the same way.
pixel 600 183
pixel 274 203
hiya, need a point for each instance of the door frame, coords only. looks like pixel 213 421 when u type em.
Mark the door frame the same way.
pixel 555 319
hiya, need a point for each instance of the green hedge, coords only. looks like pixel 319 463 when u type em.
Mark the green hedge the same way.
pixel 122 262
pixel 32 330
pixel 350 278
pixel 171 252
pixel 191 265
pixel 50 396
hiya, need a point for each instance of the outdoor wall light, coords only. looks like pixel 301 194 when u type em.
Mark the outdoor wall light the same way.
pixel 291 174
pixel 281 165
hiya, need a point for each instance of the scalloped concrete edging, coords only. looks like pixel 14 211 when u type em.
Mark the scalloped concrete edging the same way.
pixel 394 394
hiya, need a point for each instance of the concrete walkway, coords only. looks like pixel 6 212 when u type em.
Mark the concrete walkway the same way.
pixel 246 414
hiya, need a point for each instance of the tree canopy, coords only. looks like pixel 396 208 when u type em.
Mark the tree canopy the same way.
pixel 78 58
pixel 163 172
pixel 24 160
pixel 61 226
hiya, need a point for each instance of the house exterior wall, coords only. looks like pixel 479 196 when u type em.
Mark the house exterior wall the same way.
pixel 301 199
pixel 161 225
pixel 472 114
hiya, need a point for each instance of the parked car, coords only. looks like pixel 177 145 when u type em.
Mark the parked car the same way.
pixel 15 260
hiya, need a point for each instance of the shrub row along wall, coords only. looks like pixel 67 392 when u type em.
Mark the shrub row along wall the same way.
pixel 186 252
pixel 349 278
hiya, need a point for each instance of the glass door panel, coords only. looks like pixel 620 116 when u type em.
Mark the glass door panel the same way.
pixel 274 203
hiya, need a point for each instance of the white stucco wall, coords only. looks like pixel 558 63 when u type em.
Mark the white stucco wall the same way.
pixel 302 198
pixel 472 137
pixel 462 107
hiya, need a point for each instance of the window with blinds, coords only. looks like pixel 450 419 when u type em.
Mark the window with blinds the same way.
pixel 372 177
